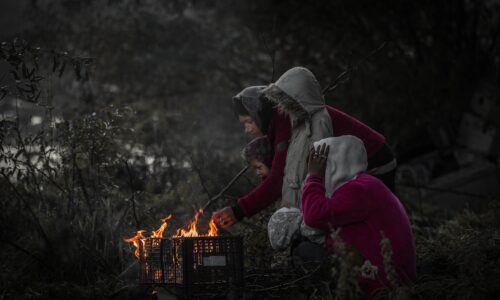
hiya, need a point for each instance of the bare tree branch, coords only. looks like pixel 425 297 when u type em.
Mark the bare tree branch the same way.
pixel 132 196
pixel 344 76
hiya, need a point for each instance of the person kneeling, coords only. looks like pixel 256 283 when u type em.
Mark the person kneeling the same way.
pixel 340 196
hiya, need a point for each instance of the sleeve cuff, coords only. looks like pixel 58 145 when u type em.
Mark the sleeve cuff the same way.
pixel 315 178
pixel 238 212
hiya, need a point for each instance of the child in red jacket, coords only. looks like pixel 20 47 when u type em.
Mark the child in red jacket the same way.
pixel 339 194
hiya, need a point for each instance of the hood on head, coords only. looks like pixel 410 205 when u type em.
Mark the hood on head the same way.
pixel 346 159
pixel 297 92
pixel 283 227
pixel 259 111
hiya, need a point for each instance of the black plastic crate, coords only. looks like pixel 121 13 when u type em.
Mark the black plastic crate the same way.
pixel 193 264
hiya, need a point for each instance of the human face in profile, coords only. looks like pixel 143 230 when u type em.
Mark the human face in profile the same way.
pixel 260 168
pixel 250 125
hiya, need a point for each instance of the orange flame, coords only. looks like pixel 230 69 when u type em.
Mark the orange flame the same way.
pixel 190 231
pixel 136 240
pixel 159 232
pixel 213 228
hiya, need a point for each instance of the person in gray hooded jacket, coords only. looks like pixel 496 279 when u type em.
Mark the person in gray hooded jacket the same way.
pixel 249 106
pixel 297 92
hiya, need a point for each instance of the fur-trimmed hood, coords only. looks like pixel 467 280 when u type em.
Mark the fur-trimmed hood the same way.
pixel 298 93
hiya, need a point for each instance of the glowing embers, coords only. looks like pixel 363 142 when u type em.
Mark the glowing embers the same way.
pixel 196 262
pixel 160 262
pixel 202 263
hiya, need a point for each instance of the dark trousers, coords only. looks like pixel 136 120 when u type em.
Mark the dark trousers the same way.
pixel 309 255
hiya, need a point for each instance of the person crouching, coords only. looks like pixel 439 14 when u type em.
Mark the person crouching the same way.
pixel 340 196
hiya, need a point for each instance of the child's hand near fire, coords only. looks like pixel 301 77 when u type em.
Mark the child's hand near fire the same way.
pixel 224 217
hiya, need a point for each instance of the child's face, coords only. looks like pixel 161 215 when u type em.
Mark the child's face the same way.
pixel 261 169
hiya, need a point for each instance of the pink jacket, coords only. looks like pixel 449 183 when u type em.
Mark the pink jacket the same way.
pixel 363 209
pixel 279 134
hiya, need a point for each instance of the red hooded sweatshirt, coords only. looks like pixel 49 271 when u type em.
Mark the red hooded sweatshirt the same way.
pixel 279 134
pixel 269 190
pixel 344 124
pixel 365 211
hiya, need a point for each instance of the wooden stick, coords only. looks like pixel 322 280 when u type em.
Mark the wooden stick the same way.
pixel 214 198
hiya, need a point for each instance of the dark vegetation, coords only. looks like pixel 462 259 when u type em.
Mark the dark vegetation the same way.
pixel 116 113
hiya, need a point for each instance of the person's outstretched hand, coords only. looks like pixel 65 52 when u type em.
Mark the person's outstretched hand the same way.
pixel 224 217
pixel 317 160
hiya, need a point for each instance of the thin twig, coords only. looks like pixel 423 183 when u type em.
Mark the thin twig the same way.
pixel 273 56
pixel 271 52
pixel 342 77
pixel 200 176
pixel 214 198
pixel 31 212
pixel 33 169
pixel 84 188
pixel 21 249
pixel 132 197
pixel 280 286
pixel 28 161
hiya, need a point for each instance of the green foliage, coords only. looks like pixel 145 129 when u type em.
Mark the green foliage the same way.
pixel 347 269
pixel 461 259
pixel 142 128
pixel 25 65
pixel 65 211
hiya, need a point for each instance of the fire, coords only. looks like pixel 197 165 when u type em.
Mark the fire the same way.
pixel 190 231
pixel 213 229
pixel 138 238
pixel 157 274
pixel 159 233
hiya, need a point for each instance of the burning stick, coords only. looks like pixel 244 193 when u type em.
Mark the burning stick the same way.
pixel 214 198
pixel 192 230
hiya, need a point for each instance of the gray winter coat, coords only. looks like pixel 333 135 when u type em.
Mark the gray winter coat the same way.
pixel 297 92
